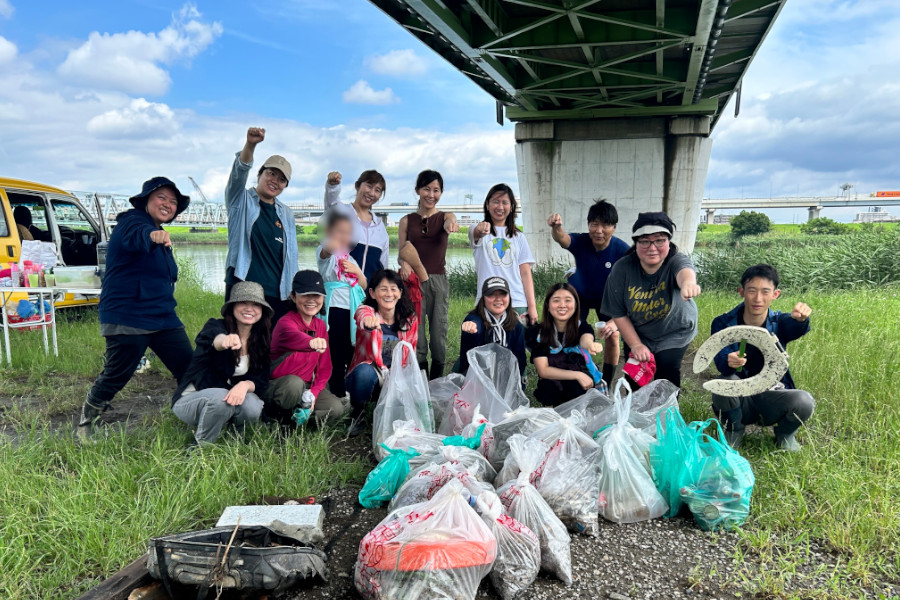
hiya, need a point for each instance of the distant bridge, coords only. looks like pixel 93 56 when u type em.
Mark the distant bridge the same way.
pixel 214 214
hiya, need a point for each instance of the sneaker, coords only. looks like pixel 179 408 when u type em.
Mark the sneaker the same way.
pixel 89 414
pixel 734 438
pixel 357 426
pixel 787 443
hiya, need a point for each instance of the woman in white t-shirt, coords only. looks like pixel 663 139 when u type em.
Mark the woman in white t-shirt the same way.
pixel 501 250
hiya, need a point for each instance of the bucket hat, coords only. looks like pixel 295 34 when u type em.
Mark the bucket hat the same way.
pixel 139 201
pixel 247 291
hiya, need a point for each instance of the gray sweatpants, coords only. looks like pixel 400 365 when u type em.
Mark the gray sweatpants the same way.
pixel 435 306
pixel 207 412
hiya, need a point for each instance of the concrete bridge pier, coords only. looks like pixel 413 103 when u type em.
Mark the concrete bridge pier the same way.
pixel 638 164
pixel 814 212
pixel 710 216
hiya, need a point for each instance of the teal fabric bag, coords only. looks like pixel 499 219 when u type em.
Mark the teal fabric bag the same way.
pixel 384 480
pixel 720 498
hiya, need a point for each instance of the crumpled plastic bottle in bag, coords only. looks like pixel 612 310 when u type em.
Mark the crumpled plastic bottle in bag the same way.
pixel 407 434
pixel 518 548
pixel 627 491
pixel 385 479
pixel 422 485
pixel 404 397
pixel 524 503
pixel 525 421
pixel 493 382
pixel 436 550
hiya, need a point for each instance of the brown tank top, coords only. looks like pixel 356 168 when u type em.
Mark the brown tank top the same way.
pixel 431 244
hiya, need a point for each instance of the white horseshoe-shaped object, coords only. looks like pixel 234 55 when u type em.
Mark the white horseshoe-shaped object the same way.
pixel 775 360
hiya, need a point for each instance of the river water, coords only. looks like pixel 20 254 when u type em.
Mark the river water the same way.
pixel 210 260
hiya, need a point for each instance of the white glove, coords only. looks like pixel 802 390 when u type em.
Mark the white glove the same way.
pixel 307 400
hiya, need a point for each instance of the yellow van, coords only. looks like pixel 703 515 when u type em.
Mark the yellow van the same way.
pixel 33 211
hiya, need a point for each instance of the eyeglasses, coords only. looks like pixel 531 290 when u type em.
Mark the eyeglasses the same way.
pixel 658 242
pixel 276 175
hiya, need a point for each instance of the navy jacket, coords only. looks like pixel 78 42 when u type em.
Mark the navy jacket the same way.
pixel 211 368
pixel 139 285
pixel 785 328
pixel 515 342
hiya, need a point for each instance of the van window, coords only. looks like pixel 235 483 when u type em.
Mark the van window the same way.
pixel 4 226
pixel 29 213
pixel 78 235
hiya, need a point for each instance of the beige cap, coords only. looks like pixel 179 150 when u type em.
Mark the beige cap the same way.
pixel 280 163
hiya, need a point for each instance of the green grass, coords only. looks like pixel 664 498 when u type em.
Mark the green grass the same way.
pixel 306 236
pixel 71 515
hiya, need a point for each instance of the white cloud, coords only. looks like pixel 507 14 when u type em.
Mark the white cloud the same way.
pixel 133 61
pixel 398 63
pixel 8 50
pixel 363 93
pixel 6 9
pixel 139 120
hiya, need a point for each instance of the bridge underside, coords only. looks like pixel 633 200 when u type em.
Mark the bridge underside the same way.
pixel 669 65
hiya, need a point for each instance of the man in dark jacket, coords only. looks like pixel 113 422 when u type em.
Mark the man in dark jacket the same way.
pixel 137 305
pixel 784 407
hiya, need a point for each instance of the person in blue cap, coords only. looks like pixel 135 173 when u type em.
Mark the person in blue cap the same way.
pixel 137 304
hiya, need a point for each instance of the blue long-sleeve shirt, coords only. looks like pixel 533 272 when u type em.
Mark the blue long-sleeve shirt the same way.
pixel 785 328
pixel 243 210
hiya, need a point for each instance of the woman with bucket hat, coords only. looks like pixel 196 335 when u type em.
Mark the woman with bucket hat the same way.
pixel 137 305
pixel 229 371
pixel 301 361
pixel 650 295
pixel 262 238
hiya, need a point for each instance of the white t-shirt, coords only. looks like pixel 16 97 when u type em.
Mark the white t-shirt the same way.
pixel 340 297
pixel 500 256
pixel 243 366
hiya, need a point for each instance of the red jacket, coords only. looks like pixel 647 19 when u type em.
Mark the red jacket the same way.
pixel 291 334
pixel 368 341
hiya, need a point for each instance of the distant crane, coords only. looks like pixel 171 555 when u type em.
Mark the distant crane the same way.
pixel 199 191
pixel 206 204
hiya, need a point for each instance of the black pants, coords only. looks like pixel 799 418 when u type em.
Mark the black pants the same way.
pixel 787 410
pixel 124 352
pixel 668 363
pixel 548 391
pixel 340 349
pixel 279 306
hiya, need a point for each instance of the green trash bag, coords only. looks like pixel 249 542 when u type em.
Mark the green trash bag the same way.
pixel 676 458
pixel 384 480
pixel 720 498
pixel 469 442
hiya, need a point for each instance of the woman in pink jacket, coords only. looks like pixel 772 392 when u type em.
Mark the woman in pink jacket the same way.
pixel 386 318
pixel 301 363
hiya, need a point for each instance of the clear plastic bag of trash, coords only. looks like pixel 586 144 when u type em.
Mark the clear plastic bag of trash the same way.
pixel 385 479
pixel 404 397
pixel 493 382
pixel 518 548
pixel 524 421
pixel 422 485
pixel 590 404
pixel 408 434
pixel 627 491
pixel 487 434
pixel 646 403
pixel 436 550
pixel 442 390
pixel 466 458
pixel 524 503
pixel 720 498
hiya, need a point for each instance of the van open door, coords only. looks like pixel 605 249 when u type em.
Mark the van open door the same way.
pixel 104 232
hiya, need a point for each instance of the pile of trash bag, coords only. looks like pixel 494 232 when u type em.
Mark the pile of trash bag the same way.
pixel 531 475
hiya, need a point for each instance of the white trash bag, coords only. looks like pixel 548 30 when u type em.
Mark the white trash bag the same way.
pixel 404 397
pixel 436 550
pixel 493 382
pixel 442 390
pixel 406 435
pixel 524 503
pixel 466 458
pixel 518 548
pixel 425 482
pixel 646 403
pixel 525 421
pixel 627 492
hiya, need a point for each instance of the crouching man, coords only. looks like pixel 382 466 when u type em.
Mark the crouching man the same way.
pixel 784 407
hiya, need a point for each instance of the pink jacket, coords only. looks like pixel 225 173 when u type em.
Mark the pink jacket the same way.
pixel 291 335
pixel 368 341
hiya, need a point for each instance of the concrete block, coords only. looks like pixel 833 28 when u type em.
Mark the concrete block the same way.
pixel 302 521
pixel 689 126
pixel 534 130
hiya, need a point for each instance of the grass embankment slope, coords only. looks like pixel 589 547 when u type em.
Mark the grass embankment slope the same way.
pixel 71 515
pixel 306 236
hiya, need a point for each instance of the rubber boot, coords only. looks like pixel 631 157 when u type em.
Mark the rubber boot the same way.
pixel 787 442
pixel 609 373
pixel 437 370
pixel 423 366
pixel 89 414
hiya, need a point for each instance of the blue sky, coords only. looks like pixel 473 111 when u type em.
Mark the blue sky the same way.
pixel 100 95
